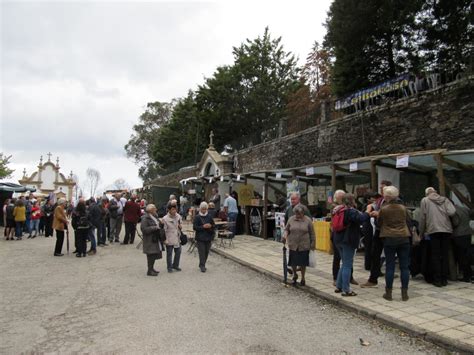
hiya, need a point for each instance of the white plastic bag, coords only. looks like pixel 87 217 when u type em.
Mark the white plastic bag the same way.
pixel 312 258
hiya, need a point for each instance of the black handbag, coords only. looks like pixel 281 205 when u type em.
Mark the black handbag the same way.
pixel 162 235
pixel 183 239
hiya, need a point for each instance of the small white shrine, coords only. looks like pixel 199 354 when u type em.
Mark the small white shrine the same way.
pixel 48 179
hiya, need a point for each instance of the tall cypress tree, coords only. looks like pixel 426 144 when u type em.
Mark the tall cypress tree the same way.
pixel 372 41
pixel 449 34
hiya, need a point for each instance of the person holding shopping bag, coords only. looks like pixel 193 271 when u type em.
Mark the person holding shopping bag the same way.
pixel 172 226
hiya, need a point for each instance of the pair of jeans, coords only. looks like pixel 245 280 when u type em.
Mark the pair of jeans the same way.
pixel 203 250
pixel 170 263
pixel 403 253
pixel 115 228
pixel 35 226
pixel 101 234
pixel 376 253
pixel 91 235
pixel 19 229
pixel 439 256
pixel 336 262
pixel 27 226
pixel 344 275
pixel 59 242
pixel 462 251
pixel 232 218
pixel 130 229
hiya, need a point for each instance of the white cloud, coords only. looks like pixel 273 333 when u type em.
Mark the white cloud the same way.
pixel 75 76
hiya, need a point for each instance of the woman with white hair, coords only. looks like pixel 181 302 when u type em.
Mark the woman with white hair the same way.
pixel 60 223
pixel 150 227
pixel 301 239
pixel 204 226
pixel 393 223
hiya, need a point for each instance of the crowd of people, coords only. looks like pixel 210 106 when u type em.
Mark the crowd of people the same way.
pixel 99 222
pixel 389 232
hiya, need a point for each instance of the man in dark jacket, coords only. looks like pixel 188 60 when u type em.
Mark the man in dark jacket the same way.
pixel 131 216
pixel 461 240
pixel 204 226
pixel 94 216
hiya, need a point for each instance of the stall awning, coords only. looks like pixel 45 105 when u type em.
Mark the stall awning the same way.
pixel 12 187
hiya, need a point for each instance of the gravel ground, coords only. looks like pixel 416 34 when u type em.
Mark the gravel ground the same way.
pixel 106 303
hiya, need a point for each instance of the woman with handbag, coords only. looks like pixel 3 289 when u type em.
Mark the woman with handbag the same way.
pixel 172 226
pixel 299 233
pixel 204 226
pixel 151 238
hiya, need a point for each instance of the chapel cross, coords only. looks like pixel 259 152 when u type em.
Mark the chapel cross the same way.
pixel 211 135
pixel 49 156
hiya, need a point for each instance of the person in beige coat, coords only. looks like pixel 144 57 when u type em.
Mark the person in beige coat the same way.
pixel 172 226
pixel 60 223
pixel 435 224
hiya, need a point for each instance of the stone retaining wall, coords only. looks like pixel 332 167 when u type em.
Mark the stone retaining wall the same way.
pixel 442 118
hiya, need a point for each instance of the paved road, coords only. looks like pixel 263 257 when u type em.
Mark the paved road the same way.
pixel 105 303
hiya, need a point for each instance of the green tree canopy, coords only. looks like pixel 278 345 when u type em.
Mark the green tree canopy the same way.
pixel 140 146
pixel 448 27
pixel 371 41
pixel 5 172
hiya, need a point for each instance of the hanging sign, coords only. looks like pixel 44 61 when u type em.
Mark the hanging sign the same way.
pixel 353 166
pixel 278 175
pixel 245 195
pixel 222 178
pixel 403 161
pixel 310 171
pixel 238 177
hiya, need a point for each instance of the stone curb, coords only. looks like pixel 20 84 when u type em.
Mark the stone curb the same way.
pixel 447 343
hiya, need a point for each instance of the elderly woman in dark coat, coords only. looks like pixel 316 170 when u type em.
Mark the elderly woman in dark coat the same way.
pixel 151 238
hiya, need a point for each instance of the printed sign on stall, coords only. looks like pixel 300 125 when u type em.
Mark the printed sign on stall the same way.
pixel 245 195
pixel 353 166
pixel 403 161
pixel 310 171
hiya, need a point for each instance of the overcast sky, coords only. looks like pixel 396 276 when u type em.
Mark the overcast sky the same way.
pixel 75 76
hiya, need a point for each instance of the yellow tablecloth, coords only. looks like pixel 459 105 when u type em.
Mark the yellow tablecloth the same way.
pixel 323 236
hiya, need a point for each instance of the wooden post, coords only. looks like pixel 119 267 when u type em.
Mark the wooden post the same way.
pixel 333 178
pixel 373 175
pixel 441 180
pixel 265 206
pixel 247 211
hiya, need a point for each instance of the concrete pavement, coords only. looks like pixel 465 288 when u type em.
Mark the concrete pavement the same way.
pixel 442 315
pixel 106 304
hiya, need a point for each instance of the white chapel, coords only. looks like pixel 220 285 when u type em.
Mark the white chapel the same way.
pixel 48 179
